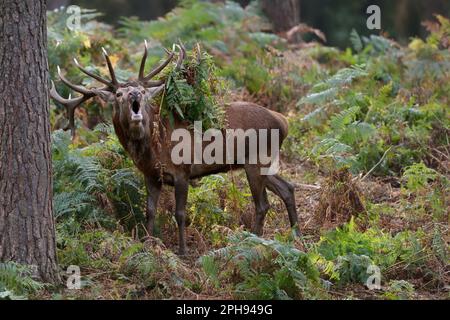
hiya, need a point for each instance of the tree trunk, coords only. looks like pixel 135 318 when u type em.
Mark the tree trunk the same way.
pixel 402 17
pixel 27 233
pixel 284 14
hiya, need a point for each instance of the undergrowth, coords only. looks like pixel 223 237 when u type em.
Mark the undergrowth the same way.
pixel 377 111
pixel 18 282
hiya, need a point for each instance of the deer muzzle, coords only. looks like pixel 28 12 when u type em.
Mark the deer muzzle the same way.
pixel 136 114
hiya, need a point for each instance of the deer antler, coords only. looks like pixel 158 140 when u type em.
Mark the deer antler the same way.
pixel 146 79
pixel 71 104
pixel 182 55
pixel 86 94
pixel 114 81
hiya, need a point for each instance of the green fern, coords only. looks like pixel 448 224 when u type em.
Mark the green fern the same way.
pixel 193 92
pixel 327 90
pixel 319 97
pixel 340 121
pixel 66 203
pixel 399 290
pixel 418 176
pixel 356 41
pixel 379 45
pixel 16 281
pixel 265 269
pixel 344 77
pixel 91 180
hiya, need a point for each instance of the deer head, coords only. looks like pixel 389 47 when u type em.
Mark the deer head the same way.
pixel 131 100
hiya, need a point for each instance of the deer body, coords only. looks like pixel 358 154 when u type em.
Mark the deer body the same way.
pixel 147 157
pixel 147 139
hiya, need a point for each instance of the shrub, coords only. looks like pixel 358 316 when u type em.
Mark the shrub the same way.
pixel 399 290
pixel 17 281
pixel 264 269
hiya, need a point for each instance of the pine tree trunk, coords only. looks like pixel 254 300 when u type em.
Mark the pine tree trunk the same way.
pixel 284 14
pixel 27 233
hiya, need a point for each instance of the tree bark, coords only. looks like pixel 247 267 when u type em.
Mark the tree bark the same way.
pixel 27 233
pixel 284 14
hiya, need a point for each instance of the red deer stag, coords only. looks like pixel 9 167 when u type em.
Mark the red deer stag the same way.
pixel 136 122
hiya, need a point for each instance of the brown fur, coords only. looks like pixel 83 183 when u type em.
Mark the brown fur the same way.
pixel 153 158
pixel 146 138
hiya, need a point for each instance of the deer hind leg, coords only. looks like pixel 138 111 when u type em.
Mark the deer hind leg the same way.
pixel 257 184
pixel 181 193
pixel 285 191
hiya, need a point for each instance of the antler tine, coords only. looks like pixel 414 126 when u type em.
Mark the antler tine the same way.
pixel 183 48
pixel 199 52
pixel 151 84
pixel 93 75
pixel 70 104
pixel 72 86
pixel 144 59
pixel 158 69
pixel 111 69
pixel 182 55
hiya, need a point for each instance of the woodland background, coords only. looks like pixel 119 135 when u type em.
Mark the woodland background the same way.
pixel 368 151
pixel 401 19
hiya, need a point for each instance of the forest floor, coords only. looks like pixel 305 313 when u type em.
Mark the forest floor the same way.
pixel 309 182
pixel 319 211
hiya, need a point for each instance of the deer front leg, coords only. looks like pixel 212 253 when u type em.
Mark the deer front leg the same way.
pixel 153 192
pixel 181 193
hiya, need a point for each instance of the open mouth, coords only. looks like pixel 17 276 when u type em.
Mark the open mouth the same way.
pixel 135 106
pixel 136 114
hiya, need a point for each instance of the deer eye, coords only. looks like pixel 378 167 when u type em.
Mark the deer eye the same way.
pixel 119 94
pixel 143 91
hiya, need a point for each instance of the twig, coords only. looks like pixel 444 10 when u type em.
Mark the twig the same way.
pixel 441 153
pixel 375 166
pixel 307 186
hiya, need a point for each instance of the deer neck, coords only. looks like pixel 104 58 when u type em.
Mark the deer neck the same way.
pixel 139 147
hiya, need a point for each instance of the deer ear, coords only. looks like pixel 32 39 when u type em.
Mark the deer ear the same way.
pixel 106 96
pixel 153 92
pixel 150 94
